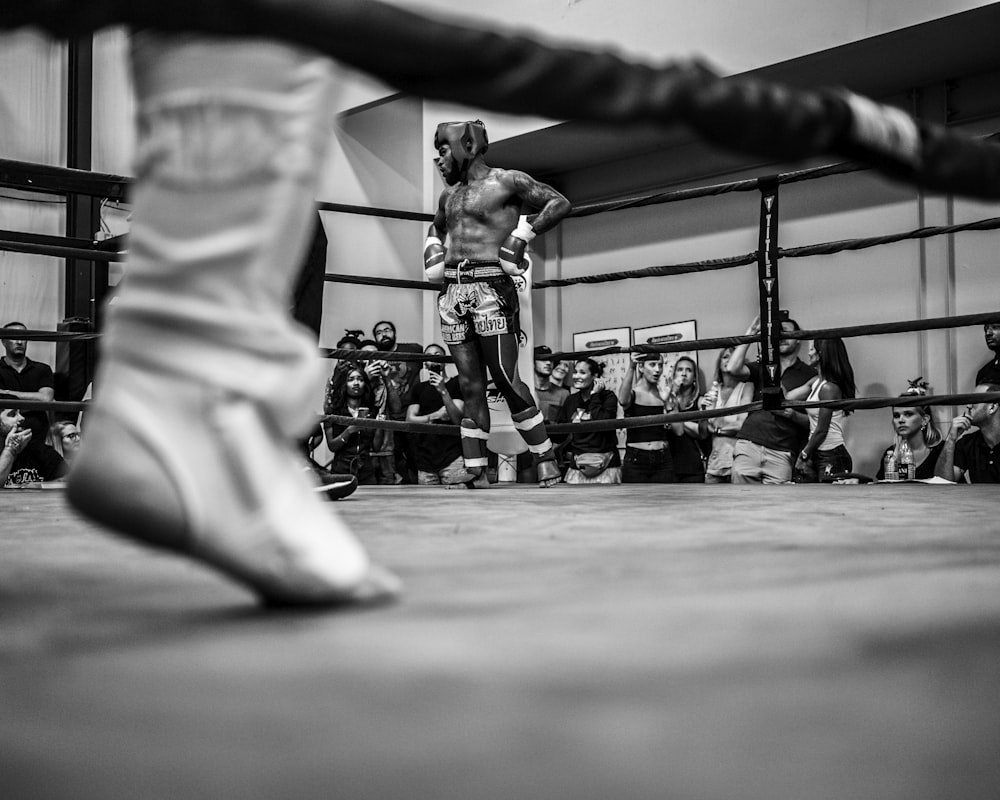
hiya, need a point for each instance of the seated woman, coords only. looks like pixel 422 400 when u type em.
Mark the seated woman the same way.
pixel 593 455
pixel 351 394
pixel 647 456
pixel 684 438
pixel 825 454
pixel 66 440
pixel 915 425
pixel 727 392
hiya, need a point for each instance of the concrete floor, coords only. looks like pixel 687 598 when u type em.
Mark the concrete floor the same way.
pixel 582 642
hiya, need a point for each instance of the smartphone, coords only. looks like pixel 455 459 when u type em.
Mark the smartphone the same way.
pixel 363 413
pixel 438 368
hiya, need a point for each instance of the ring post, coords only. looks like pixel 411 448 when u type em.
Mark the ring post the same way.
pixel 767 289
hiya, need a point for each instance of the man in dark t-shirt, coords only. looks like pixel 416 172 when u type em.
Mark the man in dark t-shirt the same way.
pixel 769 440
pixel 21 465
pixel 438 459
pixel 975 455
pixel 24 379
pixel 990 371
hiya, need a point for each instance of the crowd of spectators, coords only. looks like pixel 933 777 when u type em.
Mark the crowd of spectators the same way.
pixel 762 446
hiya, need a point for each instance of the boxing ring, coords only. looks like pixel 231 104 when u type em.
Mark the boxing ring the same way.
pixel 785 641
pixel 625 641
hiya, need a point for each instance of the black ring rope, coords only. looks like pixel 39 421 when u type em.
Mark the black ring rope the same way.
pixel 714 190
pixel 845 332
pixel 828 248
pixel 865 403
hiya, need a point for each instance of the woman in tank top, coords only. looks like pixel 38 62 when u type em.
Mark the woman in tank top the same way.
pixel 685 438
pixel 647 456
pixel 825 454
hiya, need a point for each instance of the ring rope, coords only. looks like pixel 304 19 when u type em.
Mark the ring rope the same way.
pixel 715 190
pixel 825 248
pixel 828 248
pixel 865 403
pixel 845 332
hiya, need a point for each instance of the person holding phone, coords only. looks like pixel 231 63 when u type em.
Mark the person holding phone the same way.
pixel 438 400
pixel 351 394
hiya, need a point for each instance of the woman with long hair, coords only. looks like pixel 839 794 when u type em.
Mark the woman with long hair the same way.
pixel 593 455
pixel 647 456
pixel 914 425
pixel 825 454
pixel 727 391
pixel 351 394
pixel 684 438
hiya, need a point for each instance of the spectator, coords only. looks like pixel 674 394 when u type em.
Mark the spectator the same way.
pixel 593 455
pixel 438 458
pixel 387 406
pixel 550 395
pixel 349 341
pixel 990 371
pixel 66 440
pixel 684 438
pixel 975 457
pixel 825 453
pixel 24 379
pixel 21 465
pixel 351 395
pixel 915 425
pixel 726 392
pixel 550 398
pixel 560 372
pixel 405 375
pixel 768 441
pixel 647 455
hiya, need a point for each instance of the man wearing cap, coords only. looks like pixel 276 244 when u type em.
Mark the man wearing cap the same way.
pixel 480 216
pixel 550 397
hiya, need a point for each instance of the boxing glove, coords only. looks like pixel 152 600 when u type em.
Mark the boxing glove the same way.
pixel 512 250
pixel 434 254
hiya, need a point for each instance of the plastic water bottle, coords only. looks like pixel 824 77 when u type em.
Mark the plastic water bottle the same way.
pixel 907 469
pixel 890 466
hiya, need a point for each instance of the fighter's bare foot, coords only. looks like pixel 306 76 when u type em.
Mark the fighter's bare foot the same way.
pixel 478 482
pixel 548 473
pixel 211 479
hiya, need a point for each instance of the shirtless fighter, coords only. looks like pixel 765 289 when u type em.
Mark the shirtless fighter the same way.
pixel 480 213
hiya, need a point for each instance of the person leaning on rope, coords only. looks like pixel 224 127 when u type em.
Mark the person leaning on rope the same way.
pixel 973 456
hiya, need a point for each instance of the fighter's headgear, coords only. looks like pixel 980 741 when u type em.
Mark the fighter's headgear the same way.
pixel 466 139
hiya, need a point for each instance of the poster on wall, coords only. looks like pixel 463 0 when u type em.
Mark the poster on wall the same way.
pixel 668 334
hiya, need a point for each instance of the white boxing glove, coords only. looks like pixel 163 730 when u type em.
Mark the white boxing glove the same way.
pixel 512 250
pixel 434 254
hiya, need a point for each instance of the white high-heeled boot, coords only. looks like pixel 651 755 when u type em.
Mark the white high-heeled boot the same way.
pixel 205 381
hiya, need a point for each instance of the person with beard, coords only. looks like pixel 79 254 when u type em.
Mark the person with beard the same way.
pixel 990 371
pixel 481 214
pixel 404 375
pixel 21 465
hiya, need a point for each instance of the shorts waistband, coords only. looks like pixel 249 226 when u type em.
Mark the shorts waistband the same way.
pixel 470 270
